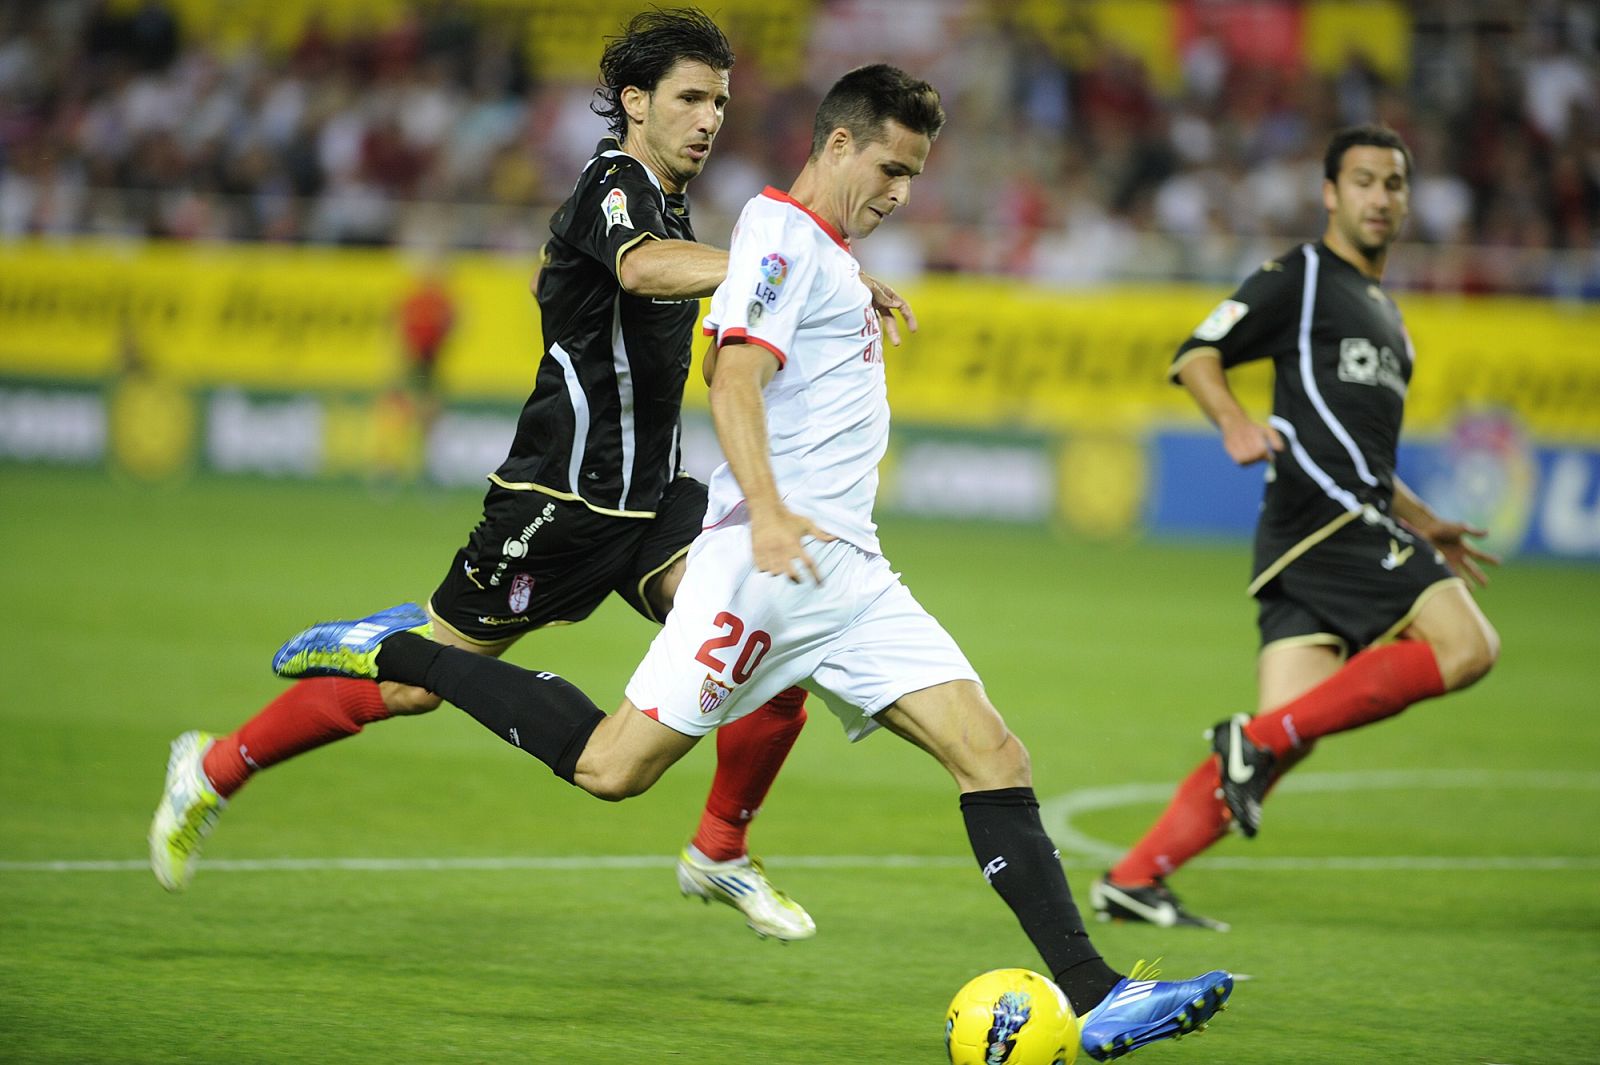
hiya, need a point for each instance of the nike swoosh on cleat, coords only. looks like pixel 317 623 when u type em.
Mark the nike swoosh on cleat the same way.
pixel 1164 915
pixel 1238 772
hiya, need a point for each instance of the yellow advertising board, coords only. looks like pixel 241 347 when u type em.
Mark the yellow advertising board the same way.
pixel 990 352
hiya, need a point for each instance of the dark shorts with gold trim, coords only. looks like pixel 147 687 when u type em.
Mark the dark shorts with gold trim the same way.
pixel 536 560
pixel 1358 584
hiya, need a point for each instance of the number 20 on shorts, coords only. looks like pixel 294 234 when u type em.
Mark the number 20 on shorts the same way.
pixel 750 655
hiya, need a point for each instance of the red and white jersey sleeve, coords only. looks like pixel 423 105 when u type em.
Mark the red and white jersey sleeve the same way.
pixel 794 288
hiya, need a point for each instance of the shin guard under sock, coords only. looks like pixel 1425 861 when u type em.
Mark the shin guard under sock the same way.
pixel 1024 867
pixel 536 712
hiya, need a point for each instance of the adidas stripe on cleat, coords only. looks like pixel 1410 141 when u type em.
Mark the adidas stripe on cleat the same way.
pixel 744 886
pixel 1141 1010
pixel 347 648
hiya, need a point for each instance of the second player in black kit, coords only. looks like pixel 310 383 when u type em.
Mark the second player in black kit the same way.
pixel 1342 362
pixel 1362 606
pixel 598 439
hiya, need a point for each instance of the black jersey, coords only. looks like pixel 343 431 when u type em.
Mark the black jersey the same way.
pixel 1342 363
pixel 602 424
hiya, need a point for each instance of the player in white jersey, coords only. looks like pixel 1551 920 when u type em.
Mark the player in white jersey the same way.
pixel 787 584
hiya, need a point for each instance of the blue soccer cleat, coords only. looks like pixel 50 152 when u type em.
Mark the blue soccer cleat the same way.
pixel 1141 1010
pixel 347 648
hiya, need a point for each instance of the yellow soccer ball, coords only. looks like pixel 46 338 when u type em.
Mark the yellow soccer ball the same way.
pixel 1011 1017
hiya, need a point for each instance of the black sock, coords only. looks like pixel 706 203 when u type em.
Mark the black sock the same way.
pixel 1020 862
pixel 537 712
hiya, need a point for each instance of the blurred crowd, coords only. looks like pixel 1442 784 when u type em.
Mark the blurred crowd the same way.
pixel 438 130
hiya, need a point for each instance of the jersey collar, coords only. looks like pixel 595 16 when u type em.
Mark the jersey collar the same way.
pixel 783 197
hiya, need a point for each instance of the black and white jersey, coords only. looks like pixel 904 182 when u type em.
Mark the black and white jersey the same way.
pixel 1342 362
pixel 602 424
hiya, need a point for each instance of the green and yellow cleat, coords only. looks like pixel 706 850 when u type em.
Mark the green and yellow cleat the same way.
pixel 743 885
pixel 188 812
pixel 348 648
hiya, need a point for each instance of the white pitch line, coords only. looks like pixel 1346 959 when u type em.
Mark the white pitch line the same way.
pixel 1079 850
pixel 1058 813
pixel 599 862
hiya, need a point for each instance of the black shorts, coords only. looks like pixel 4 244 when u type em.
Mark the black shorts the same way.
pixel 1359 585
pixel 536 560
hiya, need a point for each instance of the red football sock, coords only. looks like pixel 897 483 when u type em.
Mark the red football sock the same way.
pixel 749 754
pixel 311 714
pixel 1192 821
pixel 1373 685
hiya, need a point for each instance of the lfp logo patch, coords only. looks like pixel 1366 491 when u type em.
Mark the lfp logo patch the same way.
pixel 774 271
pixel 616 210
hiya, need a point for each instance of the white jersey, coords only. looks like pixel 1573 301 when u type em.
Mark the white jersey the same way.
pixel 794 288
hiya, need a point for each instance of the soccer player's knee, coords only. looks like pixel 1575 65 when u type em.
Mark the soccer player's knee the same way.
pixel 1469 659
pixel 1004 766
pixel 613 783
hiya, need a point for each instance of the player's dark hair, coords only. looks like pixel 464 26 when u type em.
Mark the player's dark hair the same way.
pixel 1368 136
pixel 867 97
pixel 649 46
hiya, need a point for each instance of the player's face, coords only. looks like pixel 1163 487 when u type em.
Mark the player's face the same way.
pixel 1369 202
pixel 875 180
pixel 680 119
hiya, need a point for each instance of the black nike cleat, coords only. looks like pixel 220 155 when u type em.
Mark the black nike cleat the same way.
pixel 1153 904
pixel 1245 771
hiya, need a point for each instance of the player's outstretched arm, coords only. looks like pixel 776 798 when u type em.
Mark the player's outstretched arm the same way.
pixel 1246 440
pixel 886 301
pixel 1449 537
pixel 739 414
pixel 672 269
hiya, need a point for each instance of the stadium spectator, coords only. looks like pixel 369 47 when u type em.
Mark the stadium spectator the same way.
pixel 124 121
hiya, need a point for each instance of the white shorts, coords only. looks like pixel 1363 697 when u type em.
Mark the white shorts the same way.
pixel 736 637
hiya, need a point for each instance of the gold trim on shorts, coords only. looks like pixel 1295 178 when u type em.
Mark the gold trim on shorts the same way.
pixel 474 641
pixel 1310 639
pixel 644 600
pixel 1416 608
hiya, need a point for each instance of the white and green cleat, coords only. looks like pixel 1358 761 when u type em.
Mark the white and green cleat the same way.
pixel 348 648
pixel 188 812
pixel 743 884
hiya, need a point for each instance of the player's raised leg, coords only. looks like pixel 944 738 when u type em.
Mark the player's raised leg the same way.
pixel 956 723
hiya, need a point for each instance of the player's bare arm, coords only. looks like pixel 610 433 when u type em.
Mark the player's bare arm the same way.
pixel 1246 440
pixel 1449 537
pixel 739 414
pixel 672 269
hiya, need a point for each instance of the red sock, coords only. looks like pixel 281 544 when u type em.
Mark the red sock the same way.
pixel 1192 821
pixel 749 754
pixel 1373 685
pixel 311 714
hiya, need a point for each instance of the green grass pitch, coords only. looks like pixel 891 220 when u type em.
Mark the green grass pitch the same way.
pixel 1426 895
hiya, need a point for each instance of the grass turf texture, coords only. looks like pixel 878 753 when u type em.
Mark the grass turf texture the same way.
pixel 132 614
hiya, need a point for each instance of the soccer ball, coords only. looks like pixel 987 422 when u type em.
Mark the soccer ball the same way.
pixel 1010 1017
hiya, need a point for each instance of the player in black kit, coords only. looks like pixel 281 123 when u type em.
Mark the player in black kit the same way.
pixel 591 499
pixel 1363 609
